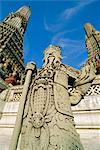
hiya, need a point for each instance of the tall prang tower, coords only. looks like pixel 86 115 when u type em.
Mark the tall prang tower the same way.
pixel 12 30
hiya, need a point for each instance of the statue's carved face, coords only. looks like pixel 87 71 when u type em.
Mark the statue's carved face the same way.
pixel 51 58
pixel 52 54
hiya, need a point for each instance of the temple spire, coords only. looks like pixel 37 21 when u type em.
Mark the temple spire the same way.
pixel 89 29
pixel 11 45
pixel 24 12
pixel 19 19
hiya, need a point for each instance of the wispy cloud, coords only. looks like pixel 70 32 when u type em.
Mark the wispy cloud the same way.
pixel 70 47
pixel 72 50
pixel 70 12
pixel 65 15
pixel 52 27
pixel 61 34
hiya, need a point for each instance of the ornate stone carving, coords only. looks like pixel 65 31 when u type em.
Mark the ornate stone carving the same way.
pixel 93 45
pixel 48 121
pixel 11 45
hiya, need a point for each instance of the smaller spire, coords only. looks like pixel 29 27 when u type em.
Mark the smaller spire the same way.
pixel 89 29
pixel 24 11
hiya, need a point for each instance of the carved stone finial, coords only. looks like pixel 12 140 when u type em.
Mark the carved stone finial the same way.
pixel 30 66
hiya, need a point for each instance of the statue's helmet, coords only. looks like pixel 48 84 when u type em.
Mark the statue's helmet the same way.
pixel 52 51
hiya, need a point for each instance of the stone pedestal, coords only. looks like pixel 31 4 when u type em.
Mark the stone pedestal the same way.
pixel 87 119
pixel 7 123
pixel 86 116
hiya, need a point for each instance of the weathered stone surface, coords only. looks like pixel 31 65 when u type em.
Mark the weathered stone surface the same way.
pixel 47 121
pixel 7 123
pixel 93 45
pixel 49 100
pixel 86 116
pixel 87 119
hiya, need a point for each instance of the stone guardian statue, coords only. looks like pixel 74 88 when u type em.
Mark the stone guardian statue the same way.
pixel 47 120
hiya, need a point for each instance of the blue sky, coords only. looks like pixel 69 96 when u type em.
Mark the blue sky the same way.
pixel 58 22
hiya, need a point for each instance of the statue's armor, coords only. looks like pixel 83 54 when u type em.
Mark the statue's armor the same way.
pixel 50 90
pixel 48 113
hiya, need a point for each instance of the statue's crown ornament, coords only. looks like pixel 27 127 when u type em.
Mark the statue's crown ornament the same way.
pixel 53 50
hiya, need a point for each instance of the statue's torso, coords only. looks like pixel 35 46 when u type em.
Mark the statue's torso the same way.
pixel 50 92
pixel 51 119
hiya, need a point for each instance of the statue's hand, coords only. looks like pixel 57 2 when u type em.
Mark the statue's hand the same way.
pixel 83 83
pixel 87 75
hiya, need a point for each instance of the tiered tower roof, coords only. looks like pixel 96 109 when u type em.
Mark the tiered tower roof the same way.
pixel 11 45
pixel 93 45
